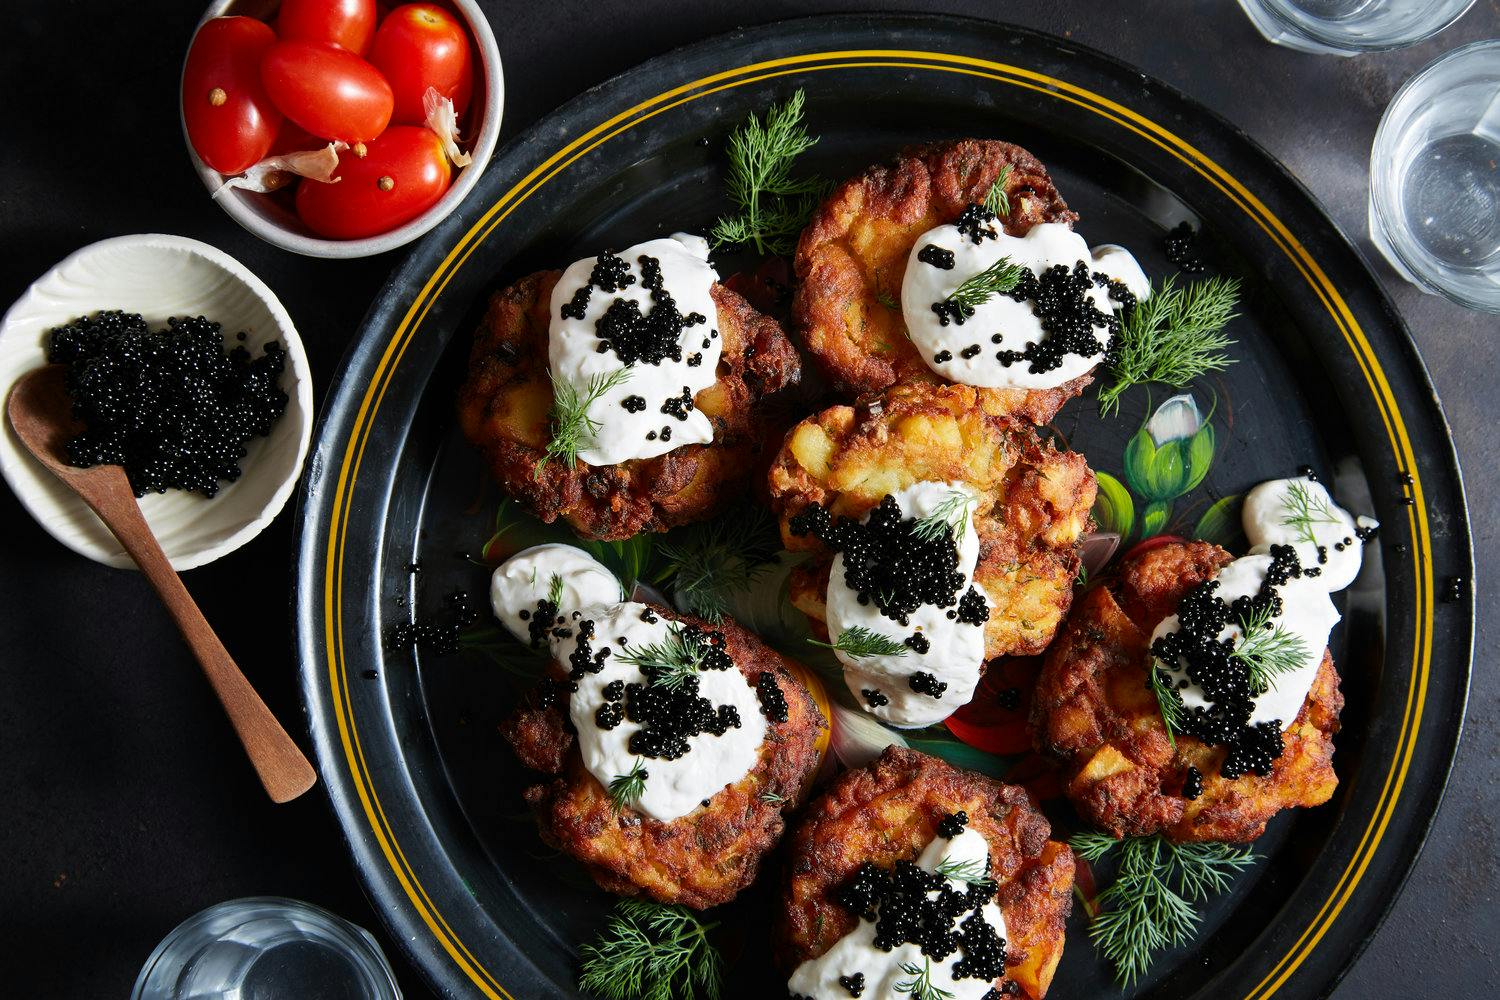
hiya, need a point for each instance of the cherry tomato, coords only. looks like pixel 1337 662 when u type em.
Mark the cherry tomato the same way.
pixel 329 91
pixel 418 46
pixel 231 122
pixel 349 24
pixel 402 174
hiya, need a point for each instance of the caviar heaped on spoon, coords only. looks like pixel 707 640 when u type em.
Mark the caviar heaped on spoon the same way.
pixel 905 572
pixel 639 326
pixel 932 922
pixel 1050 319
pixel 173 406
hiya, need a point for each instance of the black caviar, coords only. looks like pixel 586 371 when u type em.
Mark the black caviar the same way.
pixel 875 698
pixel 886 563
pixel 853 985
pixel 440 633
pixel 1192 783
pixel 917 642
pixel 1224 679
pixel 910 905
pixel 935 256
pixel 772 701
pixel 974 222
pixel 924 683
pixel 953 824
pixel 652 337
pixel 633 404
pixel 1009 699
pixel 1181 248
pixel 1060 301
pixel 172 405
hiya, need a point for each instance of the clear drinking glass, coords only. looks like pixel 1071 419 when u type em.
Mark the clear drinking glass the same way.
pixel 1348 27
pixel 265 948
pixel 1435 178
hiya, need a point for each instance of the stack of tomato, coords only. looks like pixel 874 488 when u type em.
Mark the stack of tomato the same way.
pixel 333 71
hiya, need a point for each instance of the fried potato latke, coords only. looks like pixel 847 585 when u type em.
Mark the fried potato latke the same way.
pixel 888 811
pixel 1034 507
pixel 851 261
pixel 699 860
pixel 505 405
pixel 1093 709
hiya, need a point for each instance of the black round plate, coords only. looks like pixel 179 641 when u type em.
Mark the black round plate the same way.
pixel 1326 375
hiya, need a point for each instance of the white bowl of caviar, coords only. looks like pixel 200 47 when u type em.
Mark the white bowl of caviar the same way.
pixel 160 278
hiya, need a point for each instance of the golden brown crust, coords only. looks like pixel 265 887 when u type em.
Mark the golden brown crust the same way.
pixel 1035 508
pixel 853 255
pixel 888 811
pixel 506 400
pixel 1093 709
pixel 699 860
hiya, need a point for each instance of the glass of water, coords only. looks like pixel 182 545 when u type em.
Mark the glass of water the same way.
pixel 1435 178
pixel 1348 27
pixel 266 948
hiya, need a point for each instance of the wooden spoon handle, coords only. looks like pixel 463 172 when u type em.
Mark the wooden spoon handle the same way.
pixel 280 764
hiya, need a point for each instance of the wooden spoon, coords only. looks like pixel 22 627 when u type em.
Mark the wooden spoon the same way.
pixel 42 414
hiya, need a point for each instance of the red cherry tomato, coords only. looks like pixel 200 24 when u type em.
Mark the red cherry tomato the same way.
pixel 346 23
pixel 419 46
pixel 231 122
pixel 329 91
pixel 402 174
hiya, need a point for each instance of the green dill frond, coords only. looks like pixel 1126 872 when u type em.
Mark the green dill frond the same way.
pixel 976 289
pixel 772 206
pixel 570 421
pixel 625 790
pixel 858 641
pixel 996 199
pixel 1304 512
pixel 951 513
pixel 1174 336
pixel 652 951
pixel 1267 650
pixel 971 871
pixel 708 562
pixel 516 658
pixel 668 663
pixel 555 590
pixel 1149 906
pixel 772 798
pixel 1168 701
pixel 886 299
pixel 920 986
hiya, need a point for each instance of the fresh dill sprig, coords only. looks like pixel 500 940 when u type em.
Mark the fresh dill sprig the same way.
pixel 625 790
pixel 1173 336
pixel 772 798
pixel 1304 512
pixel 858 641
pixel 570 418
pixel 996 199
pixel 708 562
pixel 971 871
pixel 920 985
pixel 886 299
pixel 773 208
pixel 1149 906
pixel 652 951
pixel 1168 701
pixel 952 512
pixel 669 663
pixel 555 590
pixel 1267 651
pixel 1001 276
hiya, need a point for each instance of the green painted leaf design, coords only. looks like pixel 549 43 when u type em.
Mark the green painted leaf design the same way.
pixel 1154 519
pixel 1200 455
pixel 1113 508
pixel 1221 525
pixel 962 755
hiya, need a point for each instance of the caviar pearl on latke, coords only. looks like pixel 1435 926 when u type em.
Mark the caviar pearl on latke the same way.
pixel 692 742
pixel 912 916
pixel 919 593
pixel 1054 326
pixel 648 309
pixel 522 584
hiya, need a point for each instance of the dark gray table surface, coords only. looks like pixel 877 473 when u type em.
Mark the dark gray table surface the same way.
pixel 126 804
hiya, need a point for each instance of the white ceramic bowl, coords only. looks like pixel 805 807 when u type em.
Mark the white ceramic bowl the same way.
pixel 272 222
pixel 161 276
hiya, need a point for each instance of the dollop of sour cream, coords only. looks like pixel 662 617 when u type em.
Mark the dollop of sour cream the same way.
pixel 1300 513
pixel 1306 613
pixel 673 788
pixel 644 415
pixel 967 352
pixel 526 578
pixel 955 649
pixel 855 952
